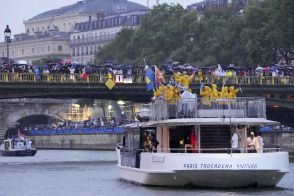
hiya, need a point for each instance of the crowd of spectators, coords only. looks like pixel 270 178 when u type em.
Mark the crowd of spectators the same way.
pixel 168 68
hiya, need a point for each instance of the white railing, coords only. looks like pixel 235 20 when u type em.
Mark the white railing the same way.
pixel 208 108
pixel 202 150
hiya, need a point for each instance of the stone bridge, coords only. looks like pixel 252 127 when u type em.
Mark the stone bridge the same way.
pixel 13 110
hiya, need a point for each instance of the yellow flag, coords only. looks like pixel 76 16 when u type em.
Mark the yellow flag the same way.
pixel 110 84
pixel 147 80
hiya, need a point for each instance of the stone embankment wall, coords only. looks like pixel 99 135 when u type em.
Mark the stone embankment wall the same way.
pixel 282 139
pixel 88 142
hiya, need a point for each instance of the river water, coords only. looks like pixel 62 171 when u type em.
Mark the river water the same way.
pixel 87 173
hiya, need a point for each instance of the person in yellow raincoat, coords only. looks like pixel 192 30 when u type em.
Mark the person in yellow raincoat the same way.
pixel 177 77
pixel 224 92
pixel 156 94
pixel 214 94
pixel 200 75
pixel 169 95
pixel 205 93
pixel 233 92
pixel 186 80
pixel 177 95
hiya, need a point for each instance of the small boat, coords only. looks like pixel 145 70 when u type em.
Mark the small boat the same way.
pixel 17 147
pixel 190 145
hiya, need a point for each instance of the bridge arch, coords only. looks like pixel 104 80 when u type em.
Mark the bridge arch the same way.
pixel 22 121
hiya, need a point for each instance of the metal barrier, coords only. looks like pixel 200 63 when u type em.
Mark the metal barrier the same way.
pixel 140 79
pixel 76 131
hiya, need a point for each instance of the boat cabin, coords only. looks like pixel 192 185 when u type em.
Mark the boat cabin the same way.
pixel 196 128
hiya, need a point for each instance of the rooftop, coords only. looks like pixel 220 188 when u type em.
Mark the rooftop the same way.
pixel 106 7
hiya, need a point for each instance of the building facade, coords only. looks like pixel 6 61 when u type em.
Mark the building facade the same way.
pixel 89 37
pixel 36 47
pixel 48 34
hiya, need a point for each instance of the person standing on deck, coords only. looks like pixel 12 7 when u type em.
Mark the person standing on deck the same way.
pixel 234 141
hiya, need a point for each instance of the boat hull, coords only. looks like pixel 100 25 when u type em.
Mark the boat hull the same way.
pixel 203 178
pixel 31 152
pixel 208 170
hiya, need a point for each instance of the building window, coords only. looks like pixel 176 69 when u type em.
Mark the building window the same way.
pixel 87 52
pixel 73 52
pixel 78 52
pixel 91 49
pixel 48 27
pixel 134 19
pixel 33 30
pixel 28 31
pixel 82 51
pixel 48 48
pixel 59 48
pixel 38 29
pixel 33 50
pixel 22 51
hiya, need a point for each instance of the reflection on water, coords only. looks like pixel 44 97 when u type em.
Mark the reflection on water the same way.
pixel 85 173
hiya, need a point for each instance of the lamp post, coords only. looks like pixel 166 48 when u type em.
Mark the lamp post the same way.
pixel 7 34
pixel 191 38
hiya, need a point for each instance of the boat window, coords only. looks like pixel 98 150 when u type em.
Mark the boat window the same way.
pixel 183 138
pixel 6 145
pixel 148 139
pixel 132 139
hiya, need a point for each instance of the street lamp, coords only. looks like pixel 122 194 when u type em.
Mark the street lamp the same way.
pixel 191 38
pixel 7 34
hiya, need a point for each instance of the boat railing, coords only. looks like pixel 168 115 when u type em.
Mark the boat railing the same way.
pixel 243 107
pixel 202 150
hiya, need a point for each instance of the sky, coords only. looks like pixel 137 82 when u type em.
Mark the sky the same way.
pixel 14 12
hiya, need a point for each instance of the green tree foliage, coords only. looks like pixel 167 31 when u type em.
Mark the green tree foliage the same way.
pixel 221 35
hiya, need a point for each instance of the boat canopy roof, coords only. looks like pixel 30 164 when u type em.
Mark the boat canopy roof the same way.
pixel 205 121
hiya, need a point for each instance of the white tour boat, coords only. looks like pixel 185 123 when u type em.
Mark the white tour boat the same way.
pixel 17 147
pixel 189 144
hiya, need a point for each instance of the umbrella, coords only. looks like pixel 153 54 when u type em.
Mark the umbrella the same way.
pixel 190 67
pixel 180 67
pixel 266 69
pixel 259 69
pixel 22 62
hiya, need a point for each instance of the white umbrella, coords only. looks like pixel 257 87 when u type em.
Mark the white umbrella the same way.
pixel 22 62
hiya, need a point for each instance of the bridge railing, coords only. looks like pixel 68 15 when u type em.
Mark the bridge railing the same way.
pixel 140 79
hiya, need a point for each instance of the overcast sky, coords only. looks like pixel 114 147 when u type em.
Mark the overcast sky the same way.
pixel 13 12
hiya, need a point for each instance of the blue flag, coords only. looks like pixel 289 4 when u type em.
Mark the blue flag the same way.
pixel 149 77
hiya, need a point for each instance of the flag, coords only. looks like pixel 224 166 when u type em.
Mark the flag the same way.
pixel 109 83
pixel 149 77
pixel 158 76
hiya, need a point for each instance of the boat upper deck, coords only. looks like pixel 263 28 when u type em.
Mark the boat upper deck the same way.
pixel 242 107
